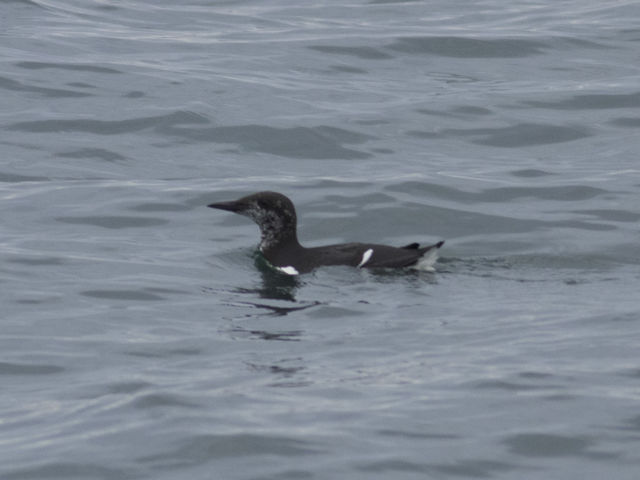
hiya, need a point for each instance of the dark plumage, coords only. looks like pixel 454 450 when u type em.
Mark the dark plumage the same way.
pixel 276 216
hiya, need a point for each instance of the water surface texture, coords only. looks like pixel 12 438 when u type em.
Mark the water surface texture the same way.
pixel 141 336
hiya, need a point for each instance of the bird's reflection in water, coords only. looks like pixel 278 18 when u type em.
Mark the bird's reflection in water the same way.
pixel 280 289
pixel 276 285
pixel 286 372
pixel 262 334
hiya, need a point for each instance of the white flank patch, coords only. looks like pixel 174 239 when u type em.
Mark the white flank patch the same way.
pixel 365 257
pixel 288 270
pixel 427 261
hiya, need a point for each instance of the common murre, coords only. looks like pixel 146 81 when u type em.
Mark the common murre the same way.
pixel 276 216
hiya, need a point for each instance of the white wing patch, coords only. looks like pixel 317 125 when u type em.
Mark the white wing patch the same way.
pixel 288 270
pixel 366 256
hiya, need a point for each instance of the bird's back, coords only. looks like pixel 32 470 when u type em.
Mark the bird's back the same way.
pixel 363 255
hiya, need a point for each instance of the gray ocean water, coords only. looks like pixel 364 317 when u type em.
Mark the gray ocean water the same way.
pixel 140 335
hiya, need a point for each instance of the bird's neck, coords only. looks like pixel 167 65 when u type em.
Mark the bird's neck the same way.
pixel 273 239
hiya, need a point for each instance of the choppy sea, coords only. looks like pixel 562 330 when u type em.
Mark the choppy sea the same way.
pixel 142 337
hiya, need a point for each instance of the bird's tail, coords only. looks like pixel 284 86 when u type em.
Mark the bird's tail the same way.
pixel 429 257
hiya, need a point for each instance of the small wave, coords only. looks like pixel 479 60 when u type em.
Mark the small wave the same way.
pixel 463 47
pixel 109 127
pixel 592 101
pixel 97 153
pixel 512 136
pixel 320 142
pixel 66 66
pixel 14 85
pixel 366 53
pixel 7 368
pixel 113 221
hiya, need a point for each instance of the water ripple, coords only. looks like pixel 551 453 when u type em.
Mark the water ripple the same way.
pixel 16 86
pixel 513 136
pixel 67 66
pixel 201 449
pixel 463 47
pixel 7 368
pixel 114 221
pixel 590 102
pixel 108 127
pixel 321 142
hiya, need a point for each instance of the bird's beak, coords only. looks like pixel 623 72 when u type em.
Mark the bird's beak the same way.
pixel 234 206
